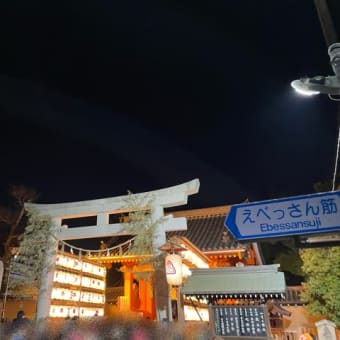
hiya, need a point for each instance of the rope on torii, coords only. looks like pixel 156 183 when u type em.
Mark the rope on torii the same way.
pixel 120 249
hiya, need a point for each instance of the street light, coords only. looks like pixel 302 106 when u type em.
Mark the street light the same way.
pixel 329 85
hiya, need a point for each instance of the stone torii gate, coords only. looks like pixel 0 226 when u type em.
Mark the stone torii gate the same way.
pixel 102 208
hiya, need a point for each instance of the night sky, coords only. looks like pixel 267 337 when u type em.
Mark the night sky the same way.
pixel 101 97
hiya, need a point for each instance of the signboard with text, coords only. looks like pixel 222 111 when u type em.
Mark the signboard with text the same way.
pixel 235 321
pixel 316 213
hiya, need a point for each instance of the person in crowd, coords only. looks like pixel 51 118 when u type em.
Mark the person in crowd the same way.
pixel 21 327
pixel 20 320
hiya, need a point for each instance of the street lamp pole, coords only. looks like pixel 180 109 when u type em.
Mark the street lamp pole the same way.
pixel 329 85
pixel 326 22
pixel 330 35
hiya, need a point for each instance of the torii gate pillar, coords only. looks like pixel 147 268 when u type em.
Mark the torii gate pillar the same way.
pixel 102 208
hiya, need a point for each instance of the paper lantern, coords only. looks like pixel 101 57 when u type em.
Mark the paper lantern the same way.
pixel 173 269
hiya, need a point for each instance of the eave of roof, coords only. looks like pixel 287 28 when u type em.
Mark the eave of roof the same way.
pixel 191 247
pixel 120 258
pixel 204 212
pixel 236 280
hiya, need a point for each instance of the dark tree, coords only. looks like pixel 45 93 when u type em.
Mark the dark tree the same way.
pixel 12 221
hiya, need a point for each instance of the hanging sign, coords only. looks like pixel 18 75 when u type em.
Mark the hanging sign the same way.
pixel 317 213
pixel 246 322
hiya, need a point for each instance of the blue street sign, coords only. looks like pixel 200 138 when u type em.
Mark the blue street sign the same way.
pixel 316 213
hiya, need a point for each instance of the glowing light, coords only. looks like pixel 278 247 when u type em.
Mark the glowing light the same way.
pixel 77 264
pixel 76 295
pixel 190 313
pixel 186 271
pixel 300 88
pixel 193 258
pixel 60 311
pixel 73 272
pixel 78 280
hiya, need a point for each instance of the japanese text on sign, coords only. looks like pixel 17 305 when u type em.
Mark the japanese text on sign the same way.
pixel 243 321
pixel 306 215
pixel 293 215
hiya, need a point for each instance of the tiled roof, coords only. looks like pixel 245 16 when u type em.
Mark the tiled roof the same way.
pixel 206 229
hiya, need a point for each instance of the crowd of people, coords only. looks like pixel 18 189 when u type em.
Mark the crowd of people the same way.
pixel 99 328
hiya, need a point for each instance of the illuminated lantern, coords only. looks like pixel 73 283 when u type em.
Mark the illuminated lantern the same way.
pixel 173 269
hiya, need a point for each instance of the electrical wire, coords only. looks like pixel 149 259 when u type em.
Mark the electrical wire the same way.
pixel 336 161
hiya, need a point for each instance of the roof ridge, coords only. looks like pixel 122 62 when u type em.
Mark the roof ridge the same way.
pixel 203 212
